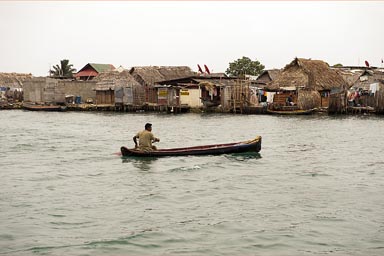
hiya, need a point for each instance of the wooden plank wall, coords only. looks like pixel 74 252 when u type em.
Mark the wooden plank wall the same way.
pixel 279 99
pixel 105 97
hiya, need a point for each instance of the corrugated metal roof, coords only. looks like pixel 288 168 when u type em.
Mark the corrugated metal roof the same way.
pixel 86 73
pixel 217 82
pixel 96 67
pixel 102 67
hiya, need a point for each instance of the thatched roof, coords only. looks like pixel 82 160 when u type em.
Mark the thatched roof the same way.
pixel 13 79
pixel 274 73
pixel 367 78
pixel 152 74
pixel 111 79
pixel 309 74
pixel 349 76
pixel 268 75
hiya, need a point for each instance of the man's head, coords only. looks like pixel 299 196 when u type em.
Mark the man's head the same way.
pixel 148 126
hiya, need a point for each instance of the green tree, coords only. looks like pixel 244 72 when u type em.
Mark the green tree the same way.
pixel 338 65
pixel 65 70
pixel 244 66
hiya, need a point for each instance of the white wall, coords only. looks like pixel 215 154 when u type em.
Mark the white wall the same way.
pixel 192 99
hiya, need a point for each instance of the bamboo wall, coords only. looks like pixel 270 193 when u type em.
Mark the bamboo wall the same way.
pixel 379 104
pixel 308 99
pixel 337 103
pixel 240 94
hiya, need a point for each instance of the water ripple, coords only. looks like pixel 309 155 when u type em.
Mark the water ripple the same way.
pixel 315 188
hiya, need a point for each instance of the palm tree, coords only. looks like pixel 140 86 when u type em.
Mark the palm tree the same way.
pixel 65 70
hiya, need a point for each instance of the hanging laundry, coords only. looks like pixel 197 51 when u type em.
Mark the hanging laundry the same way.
pixel 374 87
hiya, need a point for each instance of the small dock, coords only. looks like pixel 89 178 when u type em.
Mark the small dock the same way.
pixel 360 110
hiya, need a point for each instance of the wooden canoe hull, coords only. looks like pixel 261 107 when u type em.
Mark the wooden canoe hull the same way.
pixel 217 149
pixel 290 112
pixel 36 107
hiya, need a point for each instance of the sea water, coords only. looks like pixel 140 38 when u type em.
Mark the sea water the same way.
pixel 315 188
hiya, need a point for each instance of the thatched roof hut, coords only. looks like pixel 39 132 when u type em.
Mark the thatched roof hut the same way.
pixel 13 80
pixel 308 74
pixel 367 78
pixel 118 87
pixel 109 79
pixel 370 85
pixel 153 74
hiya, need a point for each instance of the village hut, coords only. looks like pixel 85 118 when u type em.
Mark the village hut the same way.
pixel 92 70
pixel 11 86
pixel 189 91
pixel 368 90
pixel 149 76
pixel 205 91
pixel 118 88
pixel 310 82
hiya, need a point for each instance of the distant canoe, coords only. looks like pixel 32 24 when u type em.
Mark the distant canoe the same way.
pixel 291 112
pixel 40 107
pixel 216 149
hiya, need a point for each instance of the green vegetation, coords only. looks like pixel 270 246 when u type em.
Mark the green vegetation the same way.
pixel 65 70
pixel 244 66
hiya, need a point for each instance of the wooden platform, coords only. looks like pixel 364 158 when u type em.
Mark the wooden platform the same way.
pixel 360 110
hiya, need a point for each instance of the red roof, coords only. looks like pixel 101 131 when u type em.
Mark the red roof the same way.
pixel 88 73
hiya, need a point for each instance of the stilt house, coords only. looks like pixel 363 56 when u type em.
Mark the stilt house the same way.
pixel 368 90
pixel 151 76
pixel 311 84
pixel 118 88
pixel 207 91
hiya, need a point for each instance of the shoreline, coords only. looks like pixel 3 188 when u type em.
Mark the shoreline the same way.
pixel 153 108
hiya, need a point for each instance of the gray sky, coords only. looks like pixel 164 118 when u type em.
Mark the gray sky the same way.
pixel 37 35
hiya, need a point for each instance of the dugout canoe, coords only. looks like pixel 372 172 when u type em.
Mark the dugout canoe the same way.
pixel 253 145
pixel 41 107
pixel 291 112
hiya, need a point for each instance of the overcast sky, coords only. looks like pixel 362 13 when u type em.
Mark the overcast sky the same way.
pixel 37 35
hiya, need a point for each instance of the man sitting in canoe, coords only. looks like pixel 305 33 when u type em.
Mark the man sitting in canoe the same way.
pixel 146 138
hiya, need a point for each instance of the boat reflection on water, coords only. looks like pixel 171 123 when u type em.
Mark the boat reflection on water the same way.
pixel 143 164
pixel 147 163
pixel 246 156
